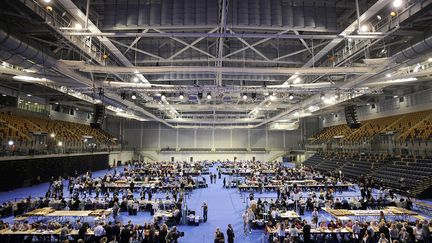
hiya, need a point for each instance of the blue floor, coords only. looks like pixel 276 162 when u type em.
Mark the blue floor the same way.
pixel 225 207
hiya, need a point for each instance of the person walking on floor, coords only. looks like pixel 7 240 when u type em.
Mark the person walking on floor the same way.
pixel 245 222
pixel 205 211
pixel 230 234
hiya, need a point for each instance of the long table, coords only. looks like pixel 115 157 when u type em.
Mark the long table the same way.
pixel 60 215
pixel 36 232
pixel 362 214
pixel 246 187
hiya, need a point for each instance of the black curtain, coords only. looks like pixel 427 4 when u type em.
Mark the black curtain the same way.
pixel 19 173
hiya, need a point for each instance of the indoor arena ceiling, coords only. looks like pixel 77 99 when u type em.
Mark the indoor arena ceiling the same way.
pixel 227 63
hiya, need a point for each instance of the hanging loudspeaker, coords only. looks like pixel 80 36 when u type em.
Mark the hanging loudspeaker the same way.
pixel 351 117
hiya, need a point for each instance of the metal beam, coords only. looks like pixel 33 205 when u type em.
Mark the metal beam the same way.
pixel 135 41
pixel 231 60
pixel 206 69
pixel 298 52
pixel 183 42
pixel 76 13
pixel 138 50
pixel 220 42
pixel 303 42
pixel 191 44
pixel 250 46
pixel 254 44
pixel 162 34
pixel 209 27
pixel 371 12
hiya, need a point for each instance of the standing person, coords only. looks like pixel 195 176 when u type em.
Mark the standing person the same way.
pixel 115 211
pixel 394 233
pixel 172 236
pixel 382 239
pixel 426 232
pixel 162 233
pixel 99 232
pixel 219 236
pixel 230 234
pixel 125 235
pixel 315 215
pixel 205 210
pixel 281 232
pixel 293 233
pixel 245 222
pixel 418 233
pixel 306 232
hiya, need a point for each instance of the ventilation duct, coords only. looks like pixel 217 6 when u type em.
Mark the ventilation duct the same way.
pixel 414 50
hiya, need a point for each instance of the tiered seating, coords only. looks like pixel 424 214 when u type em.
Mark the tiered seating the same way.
pixel 414 171
pixel 352 165
pixel 20 129
pixel 407 127
pixel 422 130
pixel 406 122
pixel 330 164
pixel 314 160
pixel 13 128
pixel 370 128
pixel 362 165
pixel 329 132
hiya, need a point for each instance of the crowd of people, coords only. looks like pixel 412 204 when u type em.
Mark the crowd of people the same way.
pixel 87 192
pixel 102 232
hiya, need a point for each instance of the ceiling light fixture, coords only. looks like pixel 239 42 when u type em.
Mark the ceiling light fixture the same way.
pixel 47 1
pixel 291 96
pixel 322 96
pixel 297 81
pixel 163 96
pixel 181 96
pixel 397 3
pixel 364 28
pixel 393 13
pixel 430 59
pixel 28 78
pixel 135 79
pixel 379 17
pixel 245 96
pixel 29 95
pixel 209 96
pixel 78 26
pixel 133 97
pixel 11 142
pixel 388 75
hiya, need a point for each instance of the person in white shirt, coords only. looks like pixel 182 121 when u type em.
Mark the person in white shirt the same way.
pixel 293 233
pixel 418 233
pixel 251 216
pixel 245 222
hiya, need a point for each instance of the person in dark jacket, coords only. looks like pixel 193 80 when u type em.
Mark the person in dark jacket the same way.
pixel 125 235
pixel 306 232
pixel 230 234
pixel 162 233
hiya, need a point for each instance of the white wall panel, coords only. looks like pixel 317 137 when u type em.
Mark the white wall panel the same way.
pixel 222 138
pixel 240 138
pixel 257 138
